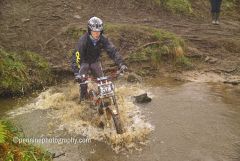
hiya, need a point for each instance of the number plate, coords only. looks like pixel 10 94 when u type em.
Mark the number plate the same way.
pixel 106 89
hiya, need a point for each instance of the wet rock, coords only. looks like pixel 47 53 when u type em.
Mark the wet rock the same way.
pixel 178 78
pixel 25 20
pixel 132 77
pixel 147 20
pixel 79 7
pixel 211 60
pixel 77 16
pixel 233 82
pixel 207 58
pixel 194 53
pixel 143 98
pixel 228 69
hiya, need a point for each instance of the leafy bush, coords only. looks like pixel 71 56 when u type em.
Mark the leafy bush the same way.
pixel 12 151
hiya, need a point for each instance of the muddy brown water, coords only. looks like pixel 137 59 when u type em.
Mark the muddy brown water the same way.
pixel 184 122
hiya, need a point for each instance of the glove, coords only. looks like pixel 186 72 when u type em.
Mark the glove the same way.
pixel 123 68
pixel 77 77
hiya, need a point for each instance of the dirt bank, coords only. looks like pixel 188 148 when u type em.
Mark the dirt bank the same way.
pixel 39 25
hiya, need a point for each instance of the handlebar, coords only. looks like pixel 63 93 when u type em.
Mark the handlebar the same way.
pixel 83 79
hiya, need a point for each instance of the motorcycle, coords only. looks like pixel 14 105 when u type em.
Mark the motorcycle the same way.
pixel 102 97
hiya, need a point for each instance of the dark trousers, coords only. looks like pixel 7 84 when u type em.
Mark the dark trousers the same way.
pixel 216 5
pixel 95 69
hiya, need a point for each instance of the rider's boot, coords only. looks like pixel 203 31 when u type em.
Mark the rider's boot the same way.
pixel 101 124
pixel 83 92
pixel 100 111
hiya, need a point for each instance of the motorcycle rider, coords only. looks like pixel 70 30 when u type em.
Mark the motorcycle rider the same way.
pixel 86 55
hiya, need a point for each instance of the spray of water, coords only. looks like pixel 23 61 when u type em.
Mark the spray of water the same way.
pixel 81 119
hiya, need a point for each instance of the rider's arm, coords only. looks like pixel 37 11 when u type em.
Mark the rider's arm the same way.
pixel 112 51
pixel 78 54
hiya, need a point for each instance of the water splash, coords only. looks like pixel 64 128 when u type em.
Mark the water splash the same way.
pixel 81 119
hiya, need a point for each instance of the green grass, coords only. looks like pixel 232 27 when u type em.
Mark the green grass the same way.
pixel 3 133
pixel 179 6
pixel 230 7
pixel 12 72
pixel 34 60
pixel 229 4
pixel 19 72
pixel 12 151
pixel 176 6
pixel 154 45
pixel 184 62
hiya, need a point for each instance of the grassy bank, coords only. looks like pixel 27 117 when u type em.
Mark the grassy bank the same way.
pixel 22 72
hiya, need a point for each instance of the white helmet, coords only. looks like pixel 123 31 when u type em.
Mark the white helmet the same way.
pixel 95 24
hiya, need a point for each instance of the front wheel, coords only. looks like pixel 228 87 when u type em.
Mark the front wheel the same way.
pixel 117 121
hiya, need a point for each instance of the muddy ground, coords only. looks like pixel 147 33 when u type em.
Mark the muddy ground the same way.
pixel 38 25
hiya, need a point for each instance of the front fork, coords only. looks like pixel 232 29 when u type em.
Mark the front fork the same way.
pixel 106 110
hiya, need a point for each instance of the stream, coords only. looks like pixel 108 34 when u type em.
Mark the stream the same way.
pixel 186 121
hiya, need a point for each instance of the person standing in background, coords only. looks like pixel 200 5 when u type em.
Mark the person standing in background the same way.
pixel 215 10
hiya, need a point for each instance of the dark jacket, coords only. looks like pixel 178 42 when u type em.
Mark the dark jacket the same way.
pixel 86 52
